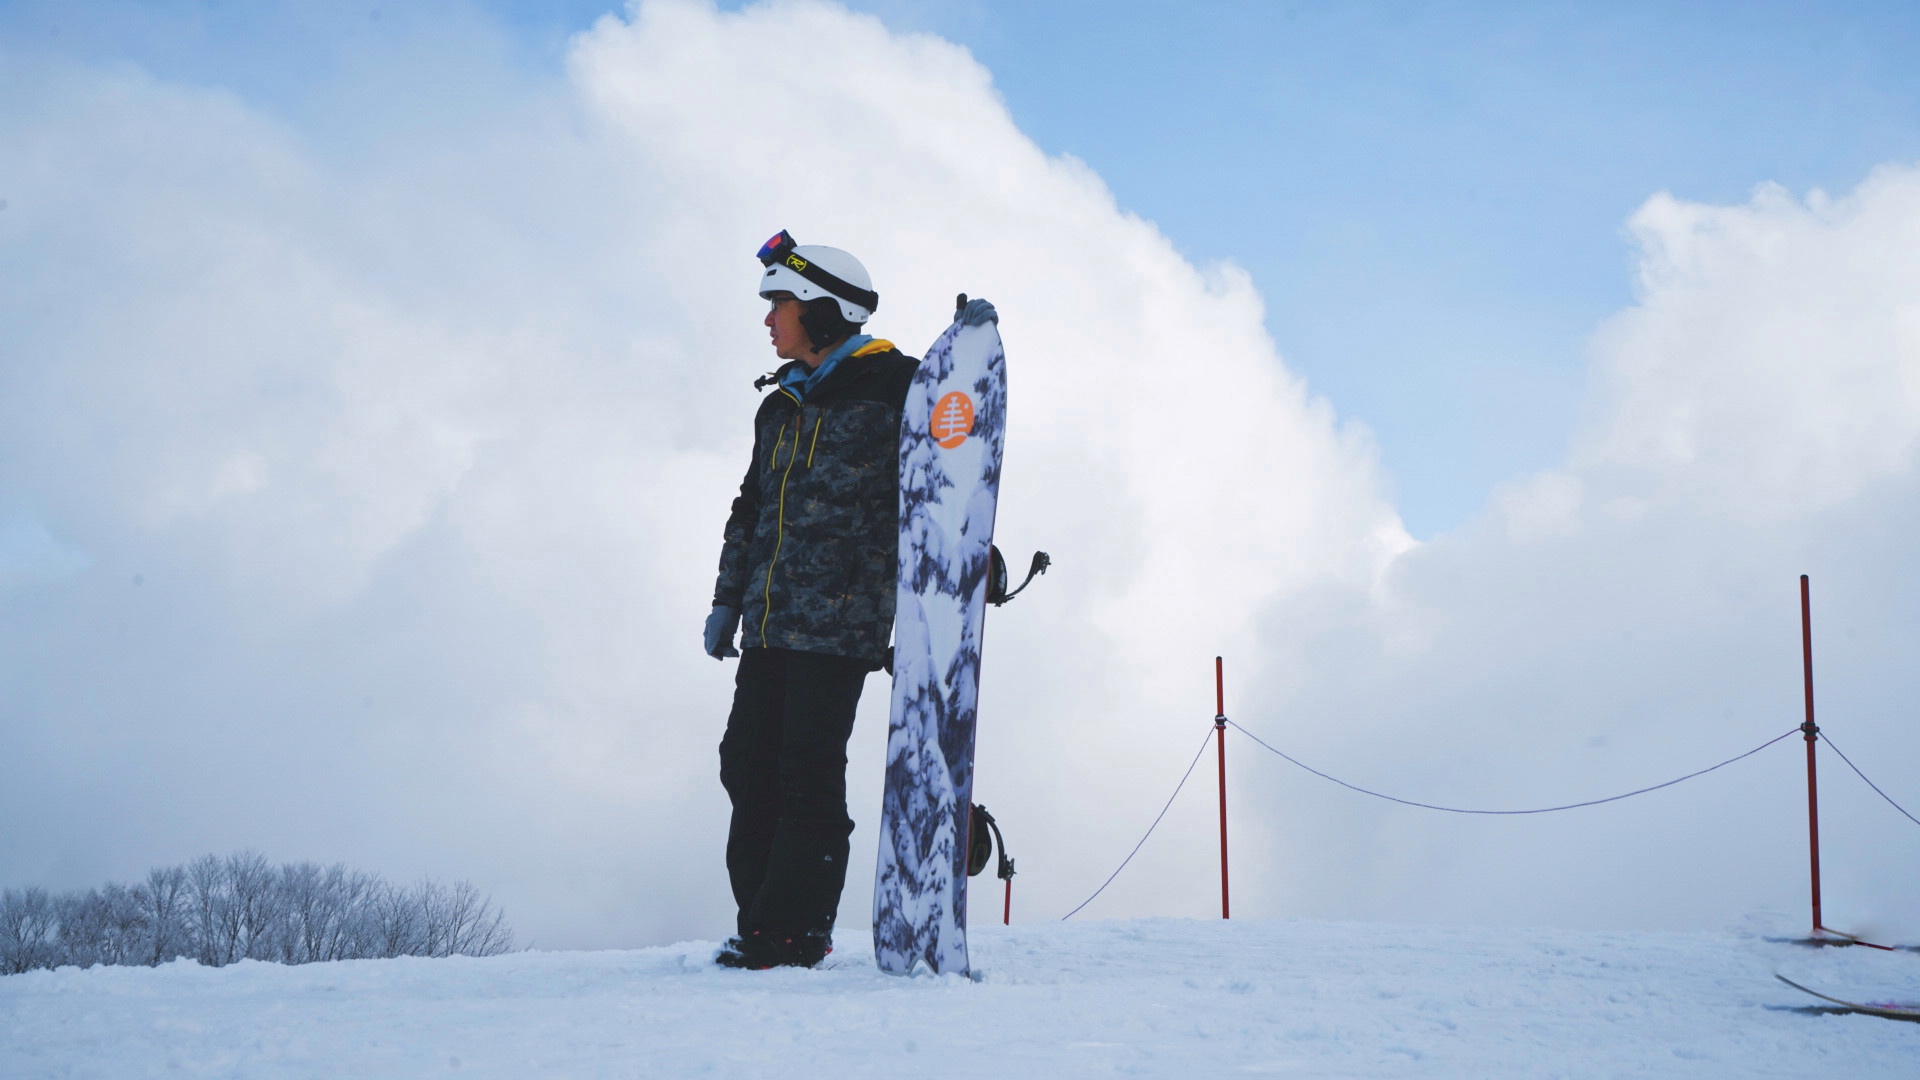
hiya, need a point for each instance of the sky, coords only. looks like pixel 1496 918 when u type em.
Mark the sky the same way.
pixel 1430 197
pixel 1478 382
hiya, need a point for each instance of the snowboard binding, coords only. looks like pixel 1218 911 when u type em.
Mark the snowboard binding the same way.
pixel 981 844
pixel 997 576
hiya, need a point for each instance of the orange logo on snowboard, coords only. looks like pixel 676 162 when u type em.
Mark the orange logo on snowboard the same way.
pixel 952 420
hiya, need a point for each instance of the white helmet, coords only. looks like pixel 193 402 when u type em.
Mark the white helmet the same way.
pixel 813 271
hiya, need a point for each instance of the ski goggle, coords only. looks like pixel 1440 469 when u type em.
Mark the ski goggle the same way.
pixel 777 249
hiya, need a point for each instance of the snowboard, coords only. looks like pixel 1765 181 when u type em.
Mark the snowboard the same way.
pixel 1892 1010
pixel 951 434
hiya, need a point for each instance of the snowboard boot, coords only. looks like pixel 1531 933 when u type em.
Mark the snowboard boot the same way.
pixel 758 951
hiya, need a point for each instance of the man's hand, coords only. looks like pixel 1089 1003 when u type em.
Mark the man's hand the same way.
pixel 977 312
pixel 721 626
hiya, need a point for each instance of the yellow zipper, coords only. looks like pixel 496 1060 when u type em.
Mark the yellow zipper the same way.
pixel 780 522
pixel 816 437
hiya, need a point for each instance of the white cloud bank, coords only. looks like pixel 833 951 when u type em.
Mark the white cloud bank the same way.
pixel 1635 615
pixel 419 457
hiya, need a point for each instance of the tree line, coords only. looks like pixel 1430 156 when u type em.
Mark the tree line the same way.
pixel 218 910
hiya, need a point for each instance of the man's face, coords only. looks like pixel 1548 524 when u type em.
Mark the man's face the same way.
pixel 783 323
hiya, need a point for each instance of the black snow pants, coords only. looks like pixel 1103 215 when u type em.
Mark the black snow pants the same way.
pixel 783 762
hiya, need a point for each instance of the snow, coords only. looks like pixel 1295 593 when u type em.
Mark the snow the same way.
pixel 1156 997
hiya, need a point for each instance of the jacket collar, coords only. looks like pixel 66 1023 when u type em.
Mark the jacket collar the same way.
pixel 801 380
pixel 848 368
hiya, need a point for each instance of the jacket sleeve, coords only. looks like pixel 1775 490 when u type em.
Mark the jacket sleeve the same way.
pixel 731 586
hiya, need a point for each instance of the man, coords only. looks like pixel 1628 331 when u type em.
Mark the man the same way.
pixel 809 559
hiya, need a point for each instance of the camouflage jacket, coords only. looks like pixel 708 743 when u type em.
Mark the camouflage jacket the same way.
pixel 811 549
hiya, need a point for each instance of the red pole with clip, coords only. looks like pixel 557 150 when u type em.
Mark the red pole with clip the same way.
pixel 1220 742
pixel 1811 731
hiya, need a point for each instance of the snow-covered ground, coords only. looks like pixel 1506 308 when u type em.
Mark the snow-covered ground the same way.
pixel 1154 998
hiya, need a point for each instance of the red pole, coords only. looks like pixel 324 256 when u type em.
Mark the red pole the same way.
pixel 1812 732
pixel 1006 913
pixel 1220 742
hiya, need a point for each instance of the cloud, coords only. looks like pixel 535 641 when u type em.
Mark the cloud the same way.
pixel 1772 366
pixel 419 450
pixel 1635 614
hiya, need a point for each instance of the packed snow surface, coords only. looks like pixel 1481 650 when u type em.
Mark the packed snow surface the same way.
pixel 1146 998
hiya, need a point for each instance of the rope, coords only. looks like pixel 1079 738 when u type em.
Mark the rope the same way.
pixel 1184 777
pixel 1539 810
pixel 1871 784
pixel 1150 828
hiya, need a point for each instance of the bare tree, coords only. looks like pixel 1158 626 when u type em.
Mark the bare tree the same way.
pixel 163 902
pixel 28 929
pixel 101 926
pixel 474 926
pixel 308 911
pixel 350 935
pixel 216 924
pixel 322 912
pixel 257 901
pixel 242 907
pixel 396 923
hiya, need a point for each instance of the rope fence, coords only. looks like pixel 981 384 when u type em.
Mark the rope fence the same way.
pixel 1871 784
pixel 1789 733
pixel 1289 758
pixel 1809 730
pixel 1150 828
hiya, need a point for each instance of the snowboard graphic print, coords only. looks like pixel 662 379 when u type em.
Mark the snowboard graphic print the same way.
pixel 951 433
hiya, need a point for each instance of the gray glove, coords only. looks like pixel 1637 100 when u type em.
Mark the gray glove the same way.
pixel 721 626
pixel 977 312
